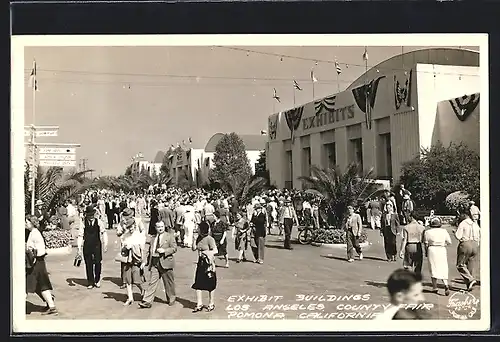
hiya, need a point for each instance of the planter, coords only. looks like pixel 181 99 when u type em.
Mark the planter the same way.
pixel 59 251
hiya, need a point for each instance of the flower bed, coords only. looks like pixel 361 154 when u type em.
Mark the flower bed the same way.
pixel 57 238
pixel 335 236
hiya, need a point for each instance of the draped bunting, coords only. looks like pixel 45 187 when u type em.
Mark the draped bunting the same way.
pixel 464 106
pixel 326 104
pixel 365 98
pixel 293 117
pixel 273 126
pixel 402 93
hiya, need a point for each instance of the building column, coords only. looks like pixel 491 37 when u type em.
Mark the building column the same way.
pixel 275 161
pixel 297 163
pixel 341 145
pixel 316 150
pixel 369 141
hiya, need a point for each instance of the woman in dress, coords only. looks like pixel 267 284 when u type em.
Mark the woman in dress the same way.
pixel 435 240
pixel 37 277
pixel 219 233
pixel 205 276
pixel 241 236
pixel 132 246
pixel 188 224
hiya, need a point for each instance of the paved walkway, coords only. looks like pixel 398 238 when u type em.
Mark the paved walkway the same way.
pixel 306 270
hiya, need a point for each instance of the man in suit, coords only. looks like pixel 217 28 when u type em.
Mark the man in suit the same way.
pixel 110 212
pixel 92 237
pixel 159 258
pixel 167 216
pixel 354 228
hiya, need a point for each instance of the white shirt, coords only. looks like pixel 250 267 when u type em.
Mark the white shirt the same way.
pixel 35 240
pixel 71 210
pixel 306 205
pixel 388 314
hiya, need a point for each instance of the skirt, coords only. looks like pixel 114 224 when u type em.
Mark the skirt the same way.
pixel 221 247
pixel 241 242
pixel 37 278
pixel 438 262
pixel 202 281
pixel 131 274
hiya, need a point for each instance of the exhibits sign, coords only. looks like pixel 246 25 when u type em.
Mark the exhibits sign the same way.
pixel 328 117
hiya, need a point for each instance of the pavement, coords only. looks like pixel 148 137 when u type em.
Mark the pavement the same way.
pixel 309 275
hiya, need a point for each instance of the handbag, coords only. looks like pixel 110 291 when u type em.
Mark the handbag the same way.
pixel 123 256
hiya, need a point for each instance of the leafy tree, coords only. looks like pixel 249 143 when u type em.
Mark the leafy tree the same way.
pixel 232 166
pixel 260 168
pixel 337 190
pixel 128 170
pixel 185 180
pixel 438 172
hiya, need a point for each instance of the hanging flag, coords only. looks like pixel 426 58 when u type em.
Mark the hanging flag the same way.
pixel 33 81
pixel 296 85
pixel 190 140
pixel 337 66
pixel 275 95
pixel 313 78
pixel 365 55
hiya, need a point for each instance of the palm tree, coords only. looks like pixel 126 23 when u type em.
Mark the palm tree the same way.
pixel 253 186
pixel 337 190
pixel 53 186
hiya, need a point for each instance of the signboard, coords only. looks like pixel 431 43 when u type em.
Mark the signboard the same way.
pixel 57 150
pixel 57 157
pixel 61 163
pixel 46 133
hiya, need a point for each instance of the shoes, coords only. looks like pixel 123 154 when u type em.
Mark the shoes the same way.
pixel 50 311
pixel 210 308
pixel 98 284
pixel 226 266
pixel 123 286
pixel 350 260
pixel 435 291
pixel 90 287
pixel 145 305
pixel 238 261
pixel 198 308
pixel 260 262
pixel 471 285
pixel 360 256
pixel 446 291
pixel 172 302
pixel 128 302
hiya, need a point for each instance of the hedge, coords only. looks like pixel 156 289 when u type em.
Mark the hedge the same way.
pixel 57 238
pixel 336 236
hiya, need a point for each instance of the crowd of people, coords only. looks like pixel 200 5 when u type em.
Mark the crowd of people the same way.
pixel 203 221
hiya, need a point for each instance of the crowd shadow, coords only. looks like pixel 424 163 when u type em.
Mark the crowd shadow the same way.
pixel 334 257
pixel 374 258
pixel 30 307
pixel 122 297
pixel 115 280
pixel 77 281
pixel 236 259
pixel 376 284
pixel 186 303
pixel 275 246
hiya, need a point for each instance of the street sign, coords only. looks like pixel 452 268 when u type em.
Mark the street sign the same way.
pixel 62 163
pixel 57 150
pixel 46 133
pixel 57 157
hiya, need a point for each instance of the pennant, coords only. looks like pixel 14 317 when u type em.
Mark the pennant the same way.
pixel 293 117
pixel 190 140
pixel 33 83
pixel 402 93
pixel 326 104
pixel 338 68
pixel 275 95
pixel 365 55
pixel 273 126
pixel 296 85
pixel 313 78
pixel 464 106
pixel 365 98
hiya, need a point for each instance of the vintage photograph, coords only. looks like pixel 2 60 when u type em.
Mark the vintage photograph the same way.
pixel 250 183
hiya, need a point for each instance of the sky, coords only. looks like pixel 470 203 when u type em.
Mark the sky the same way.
pixel 120 101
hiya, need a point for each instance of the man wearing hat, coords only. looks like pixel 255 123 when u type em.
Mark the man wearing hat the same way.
pixel 92 240
pixel 259 221
pixel 41 215
pixel 474 212
pixel 287 217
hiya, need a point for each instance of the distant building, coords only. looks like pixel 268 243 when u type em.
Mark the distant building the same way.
pixel 383 119
pixel 153 168
pixel 195 161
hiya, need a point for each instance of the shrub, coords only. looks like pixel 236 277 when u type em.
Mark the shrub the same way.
pixel 456 201
pixel 334 235
pixel 439 171
pixel 56 238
